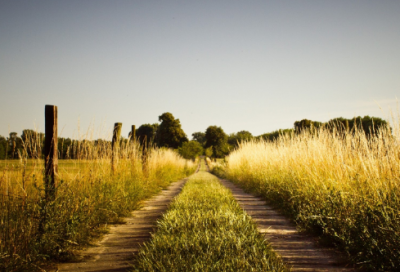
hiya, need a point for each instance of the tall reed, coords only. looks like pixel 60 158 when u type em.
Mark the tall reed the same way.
pixel 345 187
pixel 89 196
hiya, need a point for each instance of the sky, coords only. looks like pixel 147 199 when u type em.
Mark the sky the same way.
pixel 242 65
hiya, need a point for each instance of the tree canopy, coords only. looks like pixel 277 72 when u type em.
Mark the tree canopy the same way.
pixel 235 138
pixel 200 137
pixel 146 132
pixel 190 150
pixel 218 140
pixel 169 132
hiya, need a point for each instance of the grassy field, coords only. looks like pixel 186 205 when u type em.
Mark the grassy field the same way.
pixel 206 230
pixel 89 196
pixel 344 188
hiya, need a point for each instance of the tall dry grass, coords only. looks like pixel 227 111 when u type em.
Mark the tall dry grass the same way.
pixel 88 197
pixel 344 187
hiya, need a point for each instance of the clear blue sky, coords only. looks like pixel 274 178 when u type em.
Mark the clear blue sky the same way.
pixel 242 65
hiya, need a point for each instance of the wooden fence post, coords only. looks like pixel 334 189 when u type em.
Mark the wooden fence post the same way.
pixel 115 145
pixel 133 133
pixel 50 151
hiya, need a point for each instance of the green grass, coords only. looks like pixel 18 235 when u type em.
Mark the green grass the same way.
pixel 206 230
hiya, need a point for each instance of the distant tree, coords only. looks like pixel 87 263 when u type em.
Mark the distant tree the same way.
pixel 3 148
pixel 272 136
pixel 170 133
pixel 242 136
pixel 191 150
pixel 208 152
pixel 370 125
pixel 306 124
pixel 148 132
pixel 15 144
pixel 200 137
pixel 218 140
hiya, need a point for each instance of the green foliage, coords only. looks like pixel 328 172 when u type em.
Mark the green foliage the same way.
pixel 206 230
pixel 370 125
pixel 200 137
pixel 191 150
pixel 170 133
pixel 146 132
pixel 306 124
pixel 242 136
pixel 272 136
pixel 3 148
pixel 208 152
pixel 218 140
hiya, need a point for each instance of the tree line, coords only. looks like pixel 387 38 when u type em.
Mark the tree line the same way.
pixel 213 142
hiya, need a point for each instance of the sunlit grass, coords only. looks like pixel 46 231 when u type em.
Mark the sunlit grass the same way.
pixel 206 230
pixel 88 197
pixel 344 188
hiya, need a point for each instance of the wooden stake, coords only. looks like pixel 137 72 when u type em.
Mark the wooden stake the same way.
pixel 133 133
pixel 115 145
pixel 50 151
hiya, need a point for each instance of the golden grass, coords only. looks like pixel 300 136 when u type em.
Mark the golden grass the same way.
pixel 89 195
pixel 346 188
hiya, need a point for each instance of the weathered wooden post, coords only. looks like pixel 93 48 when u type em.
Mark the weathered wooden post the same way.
pixel 50 151
pixel 115 145
pixel 133 133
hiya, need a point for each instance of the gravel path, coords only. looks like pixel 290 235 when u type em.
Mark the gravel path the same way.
pixel 298 250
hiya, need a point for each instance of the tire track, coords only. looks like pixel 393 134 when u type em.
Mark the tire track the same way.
pixel 298 250
pixel 115 252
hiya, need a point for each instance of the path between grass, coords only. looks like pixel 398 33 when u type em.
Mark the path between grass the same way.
pixel 117 248
pixel 298 250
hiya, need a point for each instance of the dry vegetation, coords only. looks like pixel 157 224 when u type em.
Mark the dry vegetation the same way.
pixel 89 196
pixel 343 186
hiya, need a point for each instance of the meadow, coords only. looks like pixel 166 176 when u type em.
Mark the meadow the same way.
pixel 89 196
pixel 205 229
pixel 342 186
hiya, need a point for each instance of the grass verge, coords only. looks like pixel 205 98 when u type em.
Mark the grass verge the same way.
pixel 89 196
pixel 344 188
pixel 206 230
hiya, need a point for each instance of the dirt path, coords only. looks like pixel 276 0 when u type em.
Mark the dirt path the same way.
pixel 116 250
pixel 298 250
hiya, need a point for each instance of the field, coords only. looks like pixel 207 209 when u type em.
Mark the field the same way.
pixel 205 230
pixel 343 187
pixel 88 197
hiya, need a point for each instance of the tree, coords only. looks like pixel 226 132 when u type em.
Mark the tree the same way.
pixel 148 132
pixel 370 125
pixel 200 137
pixel 242 136
pixel 3 148
pixel 190 150
pixel 208 152
pixel 170 133
pixel 306 124
pixel 218 140
pixel 272 136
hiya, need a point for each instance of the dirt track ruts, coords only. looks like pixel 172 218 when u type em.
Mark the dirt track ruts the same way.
pixel 114 253
pixel 298 250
